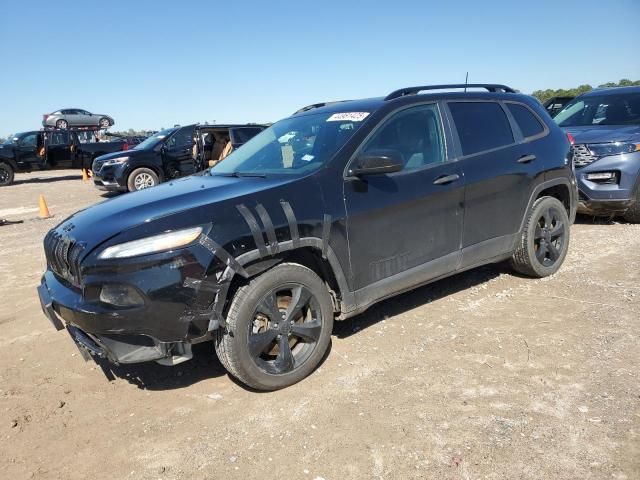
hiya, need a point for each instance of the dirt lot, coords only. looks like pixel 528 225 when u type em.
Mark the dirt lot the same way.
pixel 482 375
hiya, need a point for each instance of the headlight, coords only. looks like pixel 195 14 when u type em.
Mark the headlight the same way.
pixel 157 243
pixel 605 149
pixel 116 161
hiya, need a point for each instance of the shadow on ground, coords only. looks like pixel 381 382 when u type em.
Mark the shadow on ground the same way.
pixel 45 180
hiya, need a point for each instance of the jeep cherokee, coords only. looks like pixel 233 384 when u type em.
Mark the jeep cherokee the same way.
pixel 316 218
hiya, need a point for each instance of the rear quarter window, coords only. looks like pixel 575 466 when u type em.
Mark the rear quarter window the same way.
pixel 526 120
pixel 481 126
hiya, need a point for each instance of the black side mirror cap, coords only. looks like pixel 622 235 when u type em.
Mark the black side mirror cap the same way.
pixel 376 162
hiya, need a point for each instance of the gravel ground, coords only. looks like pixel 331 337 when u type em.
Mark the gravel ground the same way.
pixel 482 375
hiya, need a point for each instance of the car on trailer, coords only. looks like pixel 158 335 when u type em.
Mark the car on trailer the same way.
pixel 76 117
pixel 316 218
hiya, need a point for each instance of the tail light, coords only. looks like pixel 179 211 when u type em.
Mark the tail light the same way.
pixel 572 140
pixel 44 117
pixel 125 147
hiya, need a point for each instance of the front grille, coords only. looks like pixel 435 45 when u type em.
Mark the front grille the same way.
pixel 97 165
pixel 63 256
pixel 582 156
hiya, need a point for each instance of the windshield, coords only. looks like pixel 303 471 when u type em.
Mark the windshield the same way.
pixel 9 140
pixel 612 109
pixel 153 140
pixel 294 146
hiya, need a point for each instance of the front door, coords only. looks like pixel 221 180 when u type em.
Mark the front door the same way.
pixel 406 224
pixel 27 150
pixel 177 155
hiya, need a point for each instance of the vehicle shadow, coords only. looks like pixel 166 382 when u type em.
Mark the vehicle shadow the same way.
pixel 45 179
pixel 418 297
pixel 152 376
pixel 583 219
pixel 205 364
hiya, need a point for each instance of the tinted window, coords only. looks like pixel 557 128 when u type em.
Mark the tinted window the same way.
pixel 604 109
pixel 243 135
pixel 415 133
pixel 59 138
pixel 29 140
pixel 481 126
pixel 527 121
pixel 182 137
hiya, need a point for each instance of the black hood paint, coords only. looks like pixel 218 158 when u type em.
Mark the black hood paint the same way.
pixel 199 195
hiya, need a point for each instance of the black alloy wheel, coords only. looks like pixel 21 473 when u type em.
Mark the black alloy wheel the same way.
pixel 549 236
pixel 285 329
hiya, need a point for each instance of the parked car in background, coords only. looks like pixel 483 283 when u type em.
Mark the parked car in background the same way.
pixel 605 126
pixel 52 149
pixel 76 117
pixel 171 153
pixel 555 104
pixel 318 217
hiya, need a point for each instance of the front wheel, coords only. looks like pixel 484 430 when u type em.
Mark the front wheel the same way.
pixel 278 328
pixel 545 239
pixel 6 174
pixel 142 178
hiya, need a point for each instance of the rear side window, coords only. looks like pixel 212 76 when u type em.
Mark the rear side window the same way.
pixel 481 126
pixel 243 135
pixel 527 121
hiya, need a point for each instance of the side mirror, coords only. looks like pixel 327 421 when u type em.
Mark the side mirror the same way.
pixel 376 162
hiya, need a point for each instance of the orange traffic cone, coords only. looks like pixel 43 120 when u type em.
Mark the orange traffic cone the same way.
pixel 85 177
pixel 44 210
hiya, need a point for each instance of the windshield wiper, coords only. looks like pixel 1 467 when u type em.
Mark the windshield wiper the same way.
pixel 241 174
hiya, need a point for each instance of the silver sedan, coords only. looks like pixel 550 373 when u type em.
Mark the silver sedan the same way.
pixel 75 117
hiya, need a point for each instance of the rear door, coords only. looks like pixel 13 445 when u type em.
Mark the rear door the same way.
pixel 498 177
pixel 58 149
pixel 407 224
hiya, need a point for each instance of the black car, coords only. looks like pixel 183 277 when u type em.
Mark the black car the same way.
pixel 318 217
pixel 52 149
pixel 169 154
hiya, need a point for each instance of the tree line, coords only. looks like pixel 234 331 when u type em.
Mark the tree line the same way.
pixel 544 95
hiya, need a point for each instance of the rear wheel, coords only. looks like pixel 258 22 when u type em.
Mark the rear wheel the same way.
pixel 104 123
pixel 633 213
pixel 63 124
pixel 6 174
pixel 142 178
pixel 545 239
pixel 278 328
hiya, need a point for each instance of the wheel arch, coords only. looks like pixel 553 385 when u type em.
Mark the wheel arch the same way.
pixel 559 188
pixel 309 253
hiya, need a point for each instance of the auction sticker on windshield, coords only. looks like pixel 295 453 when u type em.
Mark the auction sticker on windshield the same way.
pixel 348 117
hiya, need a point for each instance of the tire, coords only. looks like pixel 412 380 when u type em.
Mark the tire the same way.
pixel 632 215
pixel 253 347
pixel 104 123
pixel 62 124
pixel 142 178
pixel 545 239
pixel 6 174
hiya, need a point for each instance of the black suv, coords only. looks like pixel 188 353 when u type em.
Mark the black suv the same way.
pixel 171 153
pixel 318 217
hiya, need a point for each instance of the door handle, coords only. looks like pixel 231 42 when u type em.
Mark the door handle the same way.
pixel 446 179
pixel 526 158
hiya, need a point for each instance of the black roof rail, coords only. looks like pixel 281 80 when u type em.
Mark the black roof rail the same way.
pixel 317 105
pixel 492 87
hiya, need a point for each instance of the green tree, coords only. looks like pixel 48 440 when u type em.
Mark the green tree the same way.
pixel 544 95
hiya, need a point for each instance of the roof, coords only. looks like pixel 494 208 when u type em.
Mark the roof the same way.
pixel 611 91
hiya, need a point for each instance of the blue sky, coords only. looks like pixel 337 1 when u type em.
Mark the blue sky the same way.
pixel 151 64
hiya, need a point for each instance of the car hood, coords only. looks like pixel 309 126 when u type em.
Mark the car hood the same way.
pixel 604 133
pixel 6 151
pixel 118 154
pixel 101 222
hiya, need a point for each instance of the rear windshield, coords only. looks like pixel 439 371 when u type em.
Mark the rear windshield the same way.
pixel 293 146
pixel 611 109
